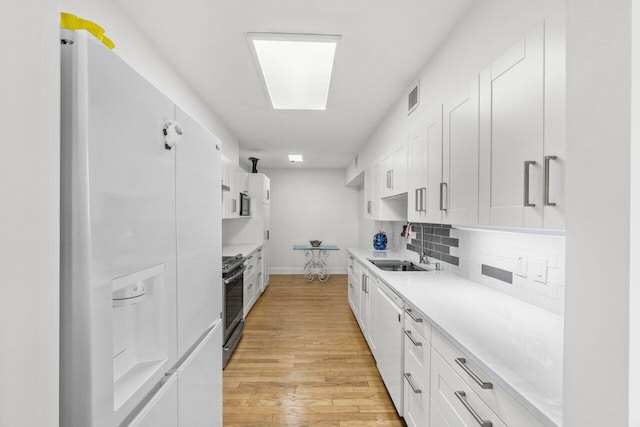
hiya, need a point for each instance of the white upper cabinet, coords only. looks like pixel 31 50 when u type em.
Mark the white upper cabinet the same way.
pixel 417 177
pixel 371 192
pixel 243 181
pixel 458 192
pixel 231 198
pixel 554 121
pixel 432 208
pixel 425 169
pixel 513 133
pixel 522 140
pixel 394 171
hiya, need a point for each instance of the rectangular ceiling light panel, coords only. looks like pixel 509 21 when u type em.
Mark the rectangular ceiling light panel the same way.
pixel 296 68
pixel 295 158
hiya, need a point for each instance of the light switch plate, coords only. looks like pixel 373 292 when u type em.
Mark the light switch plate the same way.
pixel 540 270
pixel 522 262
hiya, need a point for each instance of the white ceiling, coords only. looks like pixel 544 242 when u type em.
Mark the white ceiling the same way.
pixel 384 45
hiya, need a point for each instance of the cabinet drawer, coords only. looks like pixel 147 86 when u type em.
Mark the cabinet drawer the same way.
pixel 496 397
pixel 416 402
pixel 454 402
pixel 417 354
pixel 417 322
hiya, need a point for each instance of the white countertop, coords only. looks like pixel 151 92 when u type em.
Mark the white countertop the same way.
pixel 519 344
pixel 244 249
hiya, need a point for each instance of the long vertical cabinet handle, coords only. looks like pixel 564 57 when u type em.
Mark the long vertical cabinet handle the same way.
pixel 547 159
pixel 462 397
pixel 443 186
pixel 369 206
pixel 418 193
pixel 527 163
pixel 392 178
pixel 423 199
pixel 362 282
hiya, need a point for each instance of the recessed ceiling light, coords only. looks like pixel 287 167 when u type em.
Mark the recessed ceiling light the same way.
pixel 295 158
pixel 296 68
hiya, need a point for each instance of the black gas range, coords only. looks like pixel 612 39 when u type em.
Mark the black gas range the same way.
pixel 232 275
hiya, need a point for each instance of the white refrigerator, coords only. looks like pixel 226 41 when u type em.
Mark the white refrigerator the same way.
pixel 141 281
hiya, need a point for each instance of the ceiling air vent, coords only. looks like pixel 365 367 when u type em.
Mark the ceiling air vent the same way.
pixel 414 98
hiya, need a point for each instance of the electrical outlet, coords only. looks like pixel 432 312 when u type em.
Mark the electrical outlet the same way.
pixel 540 270
pixel 522 262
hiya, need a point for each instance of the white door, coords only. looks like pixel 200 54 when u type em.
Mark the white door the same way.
pixel 554 120
pixel 460 157
pixel 118 220
pixel 388 333
pixel 417 173
pixel 199 268
pixel 399 175
pixel 433 208
pixel 200 383
pixel 513 134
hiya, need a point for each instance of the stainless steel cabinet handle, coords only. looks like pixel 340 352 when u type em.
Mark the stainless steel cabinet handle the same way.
pixel 443 185
pixel 415 389
pixel 547 159
pixel 369 203
pixel 417 209
pixel 462 362
pixel 461 395
pixel 424 199
pixel 362 281
pixel 527 163
pixel 233 205
pixel 392 178
pixel 366 285
pixel 413 341
pixel 413 317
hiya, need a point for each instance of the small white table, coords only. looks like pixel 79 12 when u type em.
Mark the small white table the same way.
pixel 315 253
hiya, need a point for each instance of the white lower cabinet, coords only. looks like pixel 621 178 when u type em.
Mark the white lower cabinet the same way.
pixel 417 370
pixel 454 403
pixel 387 324
pixel 354 290
pixel 252 282
pixel 452 370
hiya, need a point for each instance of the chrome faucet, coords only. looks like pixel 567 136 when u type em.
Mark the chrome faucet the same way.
pixel 423 255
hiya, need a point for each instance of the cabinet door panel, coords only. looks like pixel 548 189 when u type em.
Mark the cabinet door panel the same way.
pixel 513 94
pixel 460 157
pixel 554 115
pixel 198 167
pixel 417 173
pixel 434 166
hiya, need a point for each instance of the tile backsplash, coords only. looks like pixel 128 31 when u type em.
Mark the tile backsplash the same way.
pixel 436 240
pixel 512 263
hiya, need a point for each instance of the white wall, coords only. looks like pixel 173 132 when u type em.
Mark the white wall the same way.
pixel 634 253
pixel 139 52
pixel 311 204
pixel 486 30
pixel 29 225
pixel 596 354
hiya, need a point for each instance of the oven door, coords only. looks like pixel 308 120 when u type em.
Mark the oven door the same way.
pixel 233 301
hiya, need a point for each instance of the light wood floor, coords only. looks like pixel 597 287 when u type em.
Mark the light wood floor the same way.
pixel 302 361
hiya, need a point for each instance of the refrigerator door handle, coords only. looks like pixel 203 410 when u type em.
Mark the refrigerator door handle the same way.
pixel 195 349
pixel 151 403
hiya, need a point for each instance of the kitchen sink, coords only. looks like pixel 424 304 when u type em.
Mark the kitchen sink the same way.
pixel 396 265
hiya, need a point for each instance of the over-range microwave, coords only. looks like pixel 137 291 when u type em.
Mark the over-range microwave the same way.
pixel 245 202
